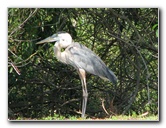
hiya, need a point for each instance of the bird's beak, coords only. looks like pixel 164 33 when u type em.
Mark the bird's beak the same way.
pixel 48 39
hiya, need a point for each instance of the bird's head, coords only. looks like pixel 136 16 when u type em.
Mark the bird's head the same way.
pixel 63 39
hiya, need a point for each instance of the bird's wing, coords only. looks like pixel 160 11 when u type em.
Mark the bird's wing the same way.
pixel 80 56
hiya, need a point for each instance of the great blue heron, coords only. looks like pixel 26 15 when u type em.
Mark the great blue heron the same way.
pixel 81 58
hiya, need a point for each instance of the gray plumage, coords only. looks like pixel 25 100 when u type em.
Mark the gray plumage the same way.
pixel 81 58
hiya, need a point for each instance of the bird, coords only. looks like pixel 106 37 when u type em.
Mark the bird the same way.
pixel 81 58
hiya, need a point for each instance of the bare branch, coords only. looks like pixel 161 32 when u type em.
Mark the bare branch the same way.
pixel 15 68
pixel 103 106
pixel 22 24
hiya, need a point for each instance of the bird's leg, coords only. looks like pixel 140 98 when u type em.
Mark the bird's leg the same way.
pixel 84 89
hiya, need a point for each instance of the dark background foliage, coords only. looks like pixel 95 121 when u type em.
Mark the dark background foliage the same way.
pixel 126 39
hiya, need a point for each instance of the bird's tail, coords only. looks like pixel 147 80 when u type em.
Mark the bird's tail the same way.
pixel 111 76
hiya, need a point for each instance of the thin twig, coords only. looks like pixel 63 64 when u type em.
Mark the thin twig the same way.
pixel 146 67
pixel 102 103
pixel 14 54
pixel 15 68
pixel 23 61
pixel 69 101
pixel 22 24
pixel 28 58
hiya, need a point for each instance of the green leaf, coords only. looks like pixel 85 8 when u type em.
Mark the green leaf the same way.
pixel 154 26
pixel 11 70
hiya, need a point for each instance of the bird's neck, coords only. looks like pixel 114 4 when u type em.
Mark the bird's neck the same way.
pixel 57 51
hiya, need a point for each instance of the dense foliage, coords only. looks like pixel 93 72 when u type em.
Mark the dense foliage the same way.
pixel 125 39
